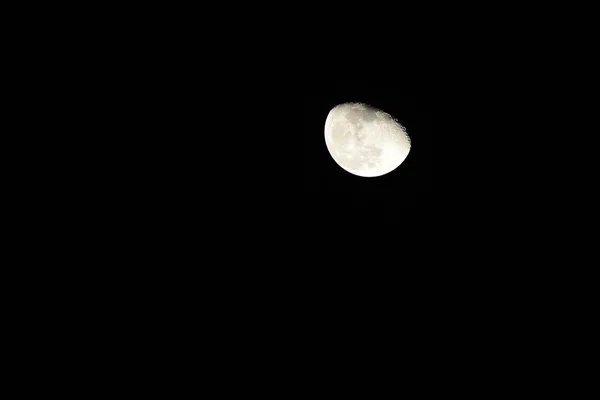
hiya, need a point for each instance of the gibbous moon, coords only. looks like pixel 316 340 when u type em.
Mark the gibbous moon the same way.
pixel 365 141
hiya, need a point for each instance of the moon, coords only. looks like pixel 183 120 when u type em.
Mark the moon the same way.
pixel 365 141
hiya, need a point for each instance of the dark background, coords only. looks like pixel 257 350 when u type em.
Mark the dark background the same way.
pixel 410 185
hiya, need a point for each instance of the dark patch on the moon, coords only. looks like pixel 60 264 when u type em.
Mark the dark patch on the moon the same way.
pixel 372 151
pixel 361 112
pixel 353 116
pixel 368 115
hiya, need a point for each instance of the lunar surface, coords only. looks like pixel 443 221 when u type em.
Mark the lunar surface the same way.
pixel 365 141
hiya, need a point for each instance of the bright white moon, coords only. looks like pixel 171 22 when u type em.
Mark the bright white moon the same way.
pixel 365 141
